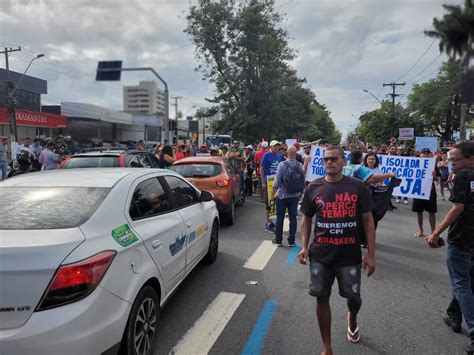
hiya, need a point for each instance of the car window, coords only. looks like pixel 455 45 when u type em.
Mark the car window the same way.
pixel 103 161
pixel 198 170
pixel 140 160
pixel 183 193
pixel 48 207
pixel 149 199
pixel 155 163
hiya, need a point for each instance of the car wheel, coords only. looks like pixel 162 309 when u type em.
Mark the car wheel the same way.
pixel 211 255
pixel 140 334
pixel 241 200
pixel 229 217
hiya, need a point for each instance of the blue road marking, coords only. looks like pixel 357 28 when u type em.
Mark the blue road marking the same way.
pixel 291 259
pixel 255 343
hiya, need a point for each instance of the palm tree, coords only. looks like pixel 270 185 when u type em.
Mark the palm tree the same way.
pixel 455 31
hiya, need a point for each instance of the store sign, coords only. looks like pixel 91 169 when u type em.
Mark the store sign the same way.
pixel 32 118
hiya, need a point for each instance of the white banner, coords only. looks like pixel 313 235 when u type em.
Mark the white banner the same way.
pixel 406 134
pixel 415 173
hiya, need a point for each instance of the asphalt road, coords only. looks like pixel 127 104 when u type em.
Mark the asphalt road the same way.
pixel 403 302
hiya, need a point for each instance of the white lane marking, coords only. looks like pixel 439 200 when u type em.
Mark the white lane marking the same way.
pixel 261 256
pixel 200 338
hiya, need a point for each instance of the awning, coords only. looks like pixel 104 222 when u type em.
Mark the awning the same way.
pixel 35 119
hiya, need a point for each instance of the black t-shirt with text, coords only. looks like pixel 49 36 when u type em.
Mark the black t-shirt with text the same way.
pixel 338 207
pixel 461 232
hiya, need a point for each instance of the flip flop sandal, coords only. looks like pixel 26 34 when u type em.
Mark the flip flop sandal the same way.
pixel 419 234
pixel 352 336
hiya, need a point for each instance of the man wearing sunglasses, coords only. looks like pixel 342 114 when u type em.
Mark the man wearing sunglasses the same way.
pixel 460 253
pixel 340 204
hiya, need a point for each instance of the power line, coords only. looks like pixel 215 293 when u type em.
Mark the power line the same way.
pixel 429 65
pixel 424 53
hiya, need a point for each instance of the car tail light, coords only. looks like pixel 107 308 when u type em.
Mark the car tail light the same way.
pixel 64 163
pixel 73 282
pixel 223 182
pixel 121 161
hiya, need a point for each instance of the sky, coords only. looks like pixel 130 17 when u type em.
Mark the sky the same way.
pixel 343 47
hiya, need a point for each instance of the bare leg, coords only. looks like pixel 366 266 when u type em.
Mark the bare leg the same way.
pixel 432 217
pixel 441 189
pixel 354 305
pixel 323 313
pixel 419 217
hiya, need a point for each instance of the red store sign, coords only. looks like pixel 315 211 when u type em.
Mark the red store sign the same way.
pixel 32 118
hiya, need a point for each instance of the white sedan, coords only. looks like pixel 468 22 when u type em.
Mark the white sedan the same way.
pixel 89 256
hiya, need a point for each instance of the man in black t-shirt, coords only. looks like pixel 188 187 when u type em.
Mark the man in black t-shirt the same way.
pixel 342 208
pixel 460 254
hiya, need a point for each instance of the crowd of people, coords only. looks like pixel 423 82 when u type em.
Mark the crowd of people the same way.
pixel 348 204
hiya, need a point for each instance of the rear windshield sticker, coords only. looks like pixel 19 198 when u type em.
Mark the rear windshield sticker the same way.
pixel 124 235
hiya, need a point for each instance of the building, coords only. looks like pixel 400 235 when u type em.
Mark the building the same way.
pixel 31 120
pixel 145 99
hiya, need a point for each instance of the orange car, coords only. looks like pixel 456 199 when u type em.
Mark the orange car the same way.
pixel 216 175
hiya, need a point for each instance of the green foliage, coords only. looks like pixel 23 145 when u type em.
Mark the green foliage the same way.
pixel 434 102
pixel 244 52
pixel 377 126
pixel 455 31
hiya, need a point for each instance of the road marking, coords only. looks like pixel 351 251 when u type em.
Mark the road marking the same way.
pixel 261 256
pixel 255 343
pixel 291 259
pixel 201 337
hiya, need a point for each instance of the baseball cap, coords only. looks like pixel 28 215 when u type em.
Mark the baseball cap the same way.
pixel 236 142
pixel 250 146
pixel 264 144
pixel 426 150
pixel 274 142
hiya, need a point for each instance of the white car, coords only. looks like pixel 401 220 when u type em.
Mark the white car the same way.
pixel 89 256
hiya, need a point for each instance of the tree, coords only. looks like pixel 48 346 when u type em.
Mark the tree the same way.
pixel 435 102
pixel 377 126
pixel 456 31
pixel 244 52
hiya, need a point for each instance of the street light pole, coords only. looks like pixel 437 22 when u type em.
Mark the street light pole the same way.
pixel 375 97
pixel 11 100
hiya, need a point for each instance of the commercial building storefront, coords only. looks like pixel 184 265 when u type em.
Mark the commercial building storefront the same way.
pixel 33 124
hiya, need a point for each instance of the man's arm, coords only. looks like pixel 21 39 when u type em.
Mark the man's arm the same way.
pixel 305 232
pixel 369 229
pixel 379 177
pixel 450 218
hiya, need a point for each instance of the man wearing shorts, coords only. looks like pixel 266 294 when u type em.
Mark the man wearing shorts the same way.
pixel 343 212
pixel 430 206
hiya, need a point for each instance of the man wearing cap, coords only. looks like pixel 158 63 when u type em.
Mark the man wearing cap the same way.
pixel 430 206
pixel 236 159
pixel 263 149
pixel 269 167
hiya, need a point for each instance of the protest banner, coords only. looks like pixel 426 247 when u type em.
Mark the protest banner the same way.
pixel 426 142
pixel 289 141
pixel 271 203
pixel 406 134
pixel 415 173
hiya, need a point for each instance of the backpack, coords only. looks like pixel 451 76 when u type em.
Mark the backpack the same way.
pixel 294 179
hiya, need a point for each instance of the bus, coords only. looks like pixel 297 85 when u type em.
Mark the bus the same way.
pixel 218 139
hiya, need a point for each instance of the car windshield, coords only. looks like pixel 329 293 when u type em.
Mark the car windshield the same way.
pixel 103 161
pixel 48 207
pixel 198 170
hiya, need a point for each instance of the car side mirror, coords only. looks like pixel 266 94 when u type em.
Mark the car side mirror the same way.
pixel 206 196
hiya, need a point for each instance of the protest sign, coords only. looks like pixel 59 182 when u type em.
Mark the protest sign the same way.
pixel 406 134
pixel 426 142
pixel 291 141
pixel 271 203
pixel 415 173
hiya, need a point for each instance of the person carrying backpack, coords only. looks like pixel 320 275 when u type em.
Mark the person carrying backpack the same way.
pixel 289 183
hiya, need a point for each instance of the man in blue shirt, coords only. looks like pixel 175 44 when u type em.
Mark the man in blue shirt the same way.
pixel 269 167
pixel 356 169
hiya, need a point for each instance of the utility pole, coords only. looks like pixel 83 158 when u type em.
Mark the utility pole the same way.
pixel 393 94
pixel 11 102
pixel 176 98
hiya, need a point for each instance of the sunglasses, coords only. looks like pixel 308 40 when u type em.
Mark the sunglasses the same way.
pixel 330 159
